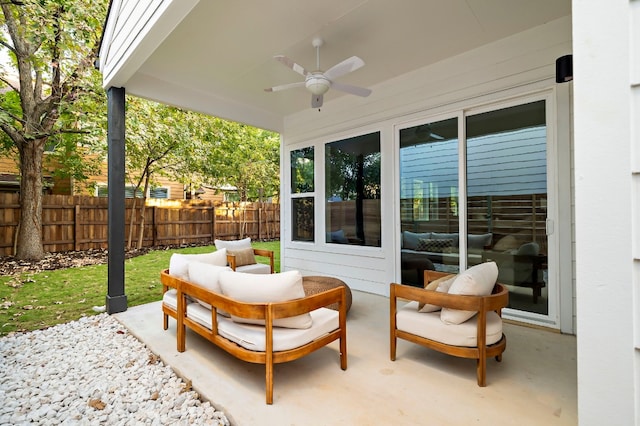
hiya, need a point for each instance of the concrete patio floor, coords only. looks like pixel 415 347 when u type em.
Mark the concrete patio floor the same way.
pixel 535 384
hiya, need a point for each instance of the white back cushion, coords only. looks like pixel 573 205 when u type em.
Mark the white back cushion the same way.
pixel 234 244
pixel 207 276
pixel 179 263
pixel 259 288
pixel 475 281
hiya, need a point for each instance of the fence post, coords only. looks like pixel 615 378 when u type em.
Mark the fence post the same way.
pixel 213 221
pixel 259 221
pixel 154 228
pixel 76 228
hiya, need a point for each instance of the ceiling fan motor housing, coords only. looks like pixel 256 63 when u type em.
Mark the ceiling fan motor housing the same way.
pixel 317 83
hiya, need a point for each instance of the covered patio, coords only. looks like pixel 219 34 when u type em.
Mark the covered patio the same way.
pixel 427 62
pixel 534 384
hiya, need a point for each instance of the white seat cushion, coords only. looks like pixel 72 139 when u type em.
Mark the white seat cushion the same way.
pixel 430 326
pixel 252 337
pixel 170 298
pixel 256 268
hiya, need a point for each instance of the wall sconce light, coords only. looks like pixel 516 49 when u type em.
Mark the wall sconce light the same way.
pixel 564 69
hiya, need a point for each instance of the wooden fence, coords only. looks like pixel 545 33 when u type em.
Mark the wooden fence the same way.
pixel 80 222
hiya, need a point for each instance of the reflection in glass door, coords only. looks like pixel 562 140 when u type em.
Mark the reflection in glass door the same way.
pixel 504 155
pixel 507 200
pixel 429 214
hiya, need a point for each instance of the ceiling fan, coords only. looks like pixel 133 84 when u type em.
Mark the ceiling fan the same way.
pixel 318 82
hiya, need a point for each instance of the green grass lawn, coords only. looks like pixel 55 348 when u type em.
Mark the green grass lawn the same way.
pixel 33 301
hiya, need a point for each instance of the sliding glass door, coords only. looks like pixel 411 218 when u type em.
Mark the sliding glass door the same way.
pixel 473 188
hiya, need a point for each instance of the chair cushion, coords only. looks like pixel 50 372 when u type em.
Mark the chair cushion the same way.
pixel 479 241
pixel 207 276
pixel 233 244
pixel 179 263
pixel 170 298
pixel 256 268
pixel 243 256
pixel 431 327
pixel 260 288
pixel 253 337
pixel 441 285
pixel 478 280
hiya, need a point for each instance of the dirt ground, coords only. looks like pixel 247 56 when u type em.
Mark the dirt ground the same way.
pixel 11 266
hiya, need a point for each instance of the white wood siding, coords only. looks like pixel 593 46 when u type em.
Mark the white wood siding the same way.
pixel 136 26
pixel 512 67
pixel 608 277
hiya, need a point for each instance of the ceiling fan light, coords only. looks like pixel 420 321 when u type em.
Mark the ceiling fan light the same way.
pixel 318 85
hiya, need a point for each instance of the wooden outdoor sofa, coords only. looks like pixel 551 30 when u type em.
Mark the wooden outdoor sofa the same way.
pixel 266 344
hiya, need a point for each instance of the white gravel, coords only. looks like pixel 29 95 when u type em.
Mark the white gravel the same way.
pixel 93 372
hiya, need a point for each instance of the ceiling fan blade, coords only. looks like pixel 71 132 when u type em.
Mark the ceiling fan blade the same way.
pixel 354 90
pixel 437 137
pixel 290 64
pixel 344 67
pixel 316 101
pixel 284 87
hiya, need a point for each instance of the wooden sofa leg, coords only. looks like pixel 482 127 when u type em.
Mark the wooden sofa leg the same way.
pixel 269 382
pixel 482 371
pixel 165 321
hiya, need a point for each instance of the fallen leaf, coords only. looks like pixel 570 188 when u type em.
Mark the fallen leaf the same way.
pixel 186 387
pixel 97 404
pixel 153 359
pixel 154 396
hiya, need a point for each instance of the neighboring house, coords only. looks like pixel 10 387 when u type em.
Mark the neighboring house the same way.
pixel 97 185
pixel 470 131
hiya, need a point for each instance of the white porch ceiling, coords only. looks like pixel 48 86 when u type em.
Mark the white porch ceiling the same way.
pixel 222 51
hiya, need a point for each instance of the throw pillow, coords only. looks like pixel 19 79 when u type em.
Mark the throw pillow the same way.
pixel 451 236
pixel 410 239
pixel 179 263
pixel 207 276
pixel 233 244
pixel 440 285
pixel 478 280
pixel 434 245
pixel 243 256
pixel 257 288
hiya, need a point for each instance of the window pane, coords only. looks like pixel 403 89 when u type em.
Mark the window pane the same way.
pixel 302 170
pixel 429 199
pixel 353 191
pixel 302 219
pixel 159 193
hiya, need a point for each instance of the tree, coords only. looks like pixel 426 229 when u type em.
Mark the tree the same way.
pixel 242 156
pixel 158 135
pixel 53 45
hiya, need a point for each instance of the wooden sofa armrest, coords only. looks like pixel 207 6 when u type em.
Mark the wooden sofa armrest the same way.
pixel 231 258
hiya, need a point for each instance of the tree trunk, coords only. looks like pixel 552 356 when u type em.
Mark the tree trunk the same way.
pixel 143 208
pixel 30 230
pixel 132 220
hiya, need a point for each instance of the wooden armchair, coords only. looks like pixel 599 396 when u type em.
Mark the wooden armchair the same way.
pixel 253 267
pixel 477 338
pixel 241 256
